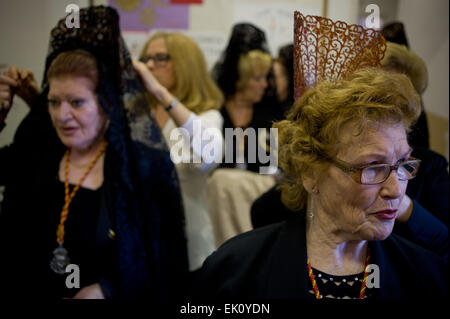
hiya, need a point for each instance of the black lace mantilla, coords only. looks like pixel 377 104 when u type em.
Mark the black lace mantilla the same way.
pixel 143 188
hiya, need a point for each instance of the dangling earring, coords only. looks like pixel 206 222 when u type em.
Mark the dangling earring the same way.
pixel 311 207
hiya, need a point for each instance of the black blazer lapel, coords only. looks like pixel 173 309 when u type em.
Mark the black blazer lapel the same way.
pixel 287 268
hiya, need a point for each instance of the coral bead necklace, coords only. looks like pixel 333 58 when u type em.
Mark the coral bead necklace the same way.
pixel 60 255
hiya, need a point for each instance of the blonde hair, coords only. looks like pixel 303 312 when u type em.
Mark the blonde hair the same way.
pixel 310 134
pixel 193 84
pixel 251 63
pixel 398 58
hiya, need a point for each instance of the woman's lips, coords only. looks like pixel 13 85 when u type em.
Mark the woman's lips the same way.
pixel 68 130
pixel 386 214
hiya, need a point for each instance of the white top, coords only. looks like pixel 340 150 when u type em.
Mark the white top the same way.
pixel 193 177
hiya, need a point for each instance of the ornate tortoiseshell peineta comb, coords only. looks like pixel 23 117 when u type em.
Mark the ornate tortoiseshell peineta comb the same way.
pixel 327 50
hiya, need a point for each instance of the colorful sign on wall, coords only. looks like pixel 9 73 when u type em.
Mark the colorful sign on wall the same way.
pixel 186 1
pixel 143 15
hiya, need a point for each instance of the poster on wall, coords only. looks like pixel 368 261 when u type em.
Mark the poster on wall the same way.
pixel 143 15
pixel 212 44
pixel 186 1
pixel 139 17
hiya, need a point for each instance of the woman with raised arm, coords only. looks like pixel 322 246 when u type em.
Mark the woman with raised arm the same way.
pixel 183 97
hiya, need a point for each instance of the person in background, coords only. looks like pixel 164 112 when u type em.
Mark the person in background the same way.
pixel 101 192
pixel 395 32
pixel 283 69
pixel 399 57
pixel 431 188
pixel 182 94
pixel 245 77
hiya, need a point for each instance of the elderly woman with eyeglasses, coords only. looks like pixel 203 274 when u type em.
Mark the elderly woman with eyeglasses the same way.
pixel 347 161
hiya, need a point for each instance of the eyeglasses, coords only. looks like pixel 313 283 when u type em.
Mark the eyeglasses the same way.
pixel 160 59
pixel 378 173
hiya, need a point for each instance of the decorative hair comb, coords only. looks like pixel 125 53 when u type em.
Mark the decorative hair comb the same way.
pixel 327 50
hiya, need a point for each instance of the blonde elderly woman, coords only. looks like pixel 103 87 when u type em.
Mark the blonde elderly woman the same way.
pixel 344 147
pixel 183 95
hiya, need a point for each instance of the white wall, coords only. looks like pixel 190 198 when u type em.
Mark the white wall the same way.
pixel 346 11
pixel 276 18
pixel 427 26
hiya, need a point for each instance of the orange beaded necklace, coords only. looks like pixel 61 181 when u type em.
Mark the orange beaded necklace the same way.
pixel 61 258
pixel 314 284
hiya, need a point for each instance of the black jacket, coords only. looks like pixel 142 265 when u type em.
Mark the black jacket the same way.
pixel 270 263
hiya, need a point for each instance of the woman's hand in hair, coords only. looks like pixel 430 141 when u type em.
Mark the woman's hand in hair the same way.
pixel 179 113
pixel 7 90
pixel 151 83
pixel 20 82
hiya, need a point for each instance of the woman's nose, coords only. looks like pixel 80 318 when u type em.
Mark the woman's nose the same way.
pixel 392 187
pixel 64 112
pixel 150 64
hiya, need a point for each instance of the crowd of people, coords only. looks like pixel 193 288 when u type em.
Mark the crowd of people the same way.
pixel 90 177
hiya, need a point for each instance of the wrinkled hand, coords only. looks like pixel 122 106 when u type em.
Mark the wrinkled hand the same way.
pixel 16 81
pixel 405 209
pixel 7 89
pixel 90 292
pixel 26 86
pixel 149 80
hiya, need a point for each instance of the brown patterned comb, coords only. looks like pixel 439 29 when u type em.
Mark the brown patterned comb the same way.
pixel 327 50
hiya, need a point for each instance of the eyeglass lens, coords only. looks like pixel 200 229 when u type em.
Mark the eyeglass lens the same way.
pixel 379 173
pixel 159 58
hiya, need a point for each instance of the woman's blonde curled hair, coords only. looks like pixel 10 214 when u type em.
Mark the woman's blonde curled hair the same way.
pixel 310 133
pixel 250 64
